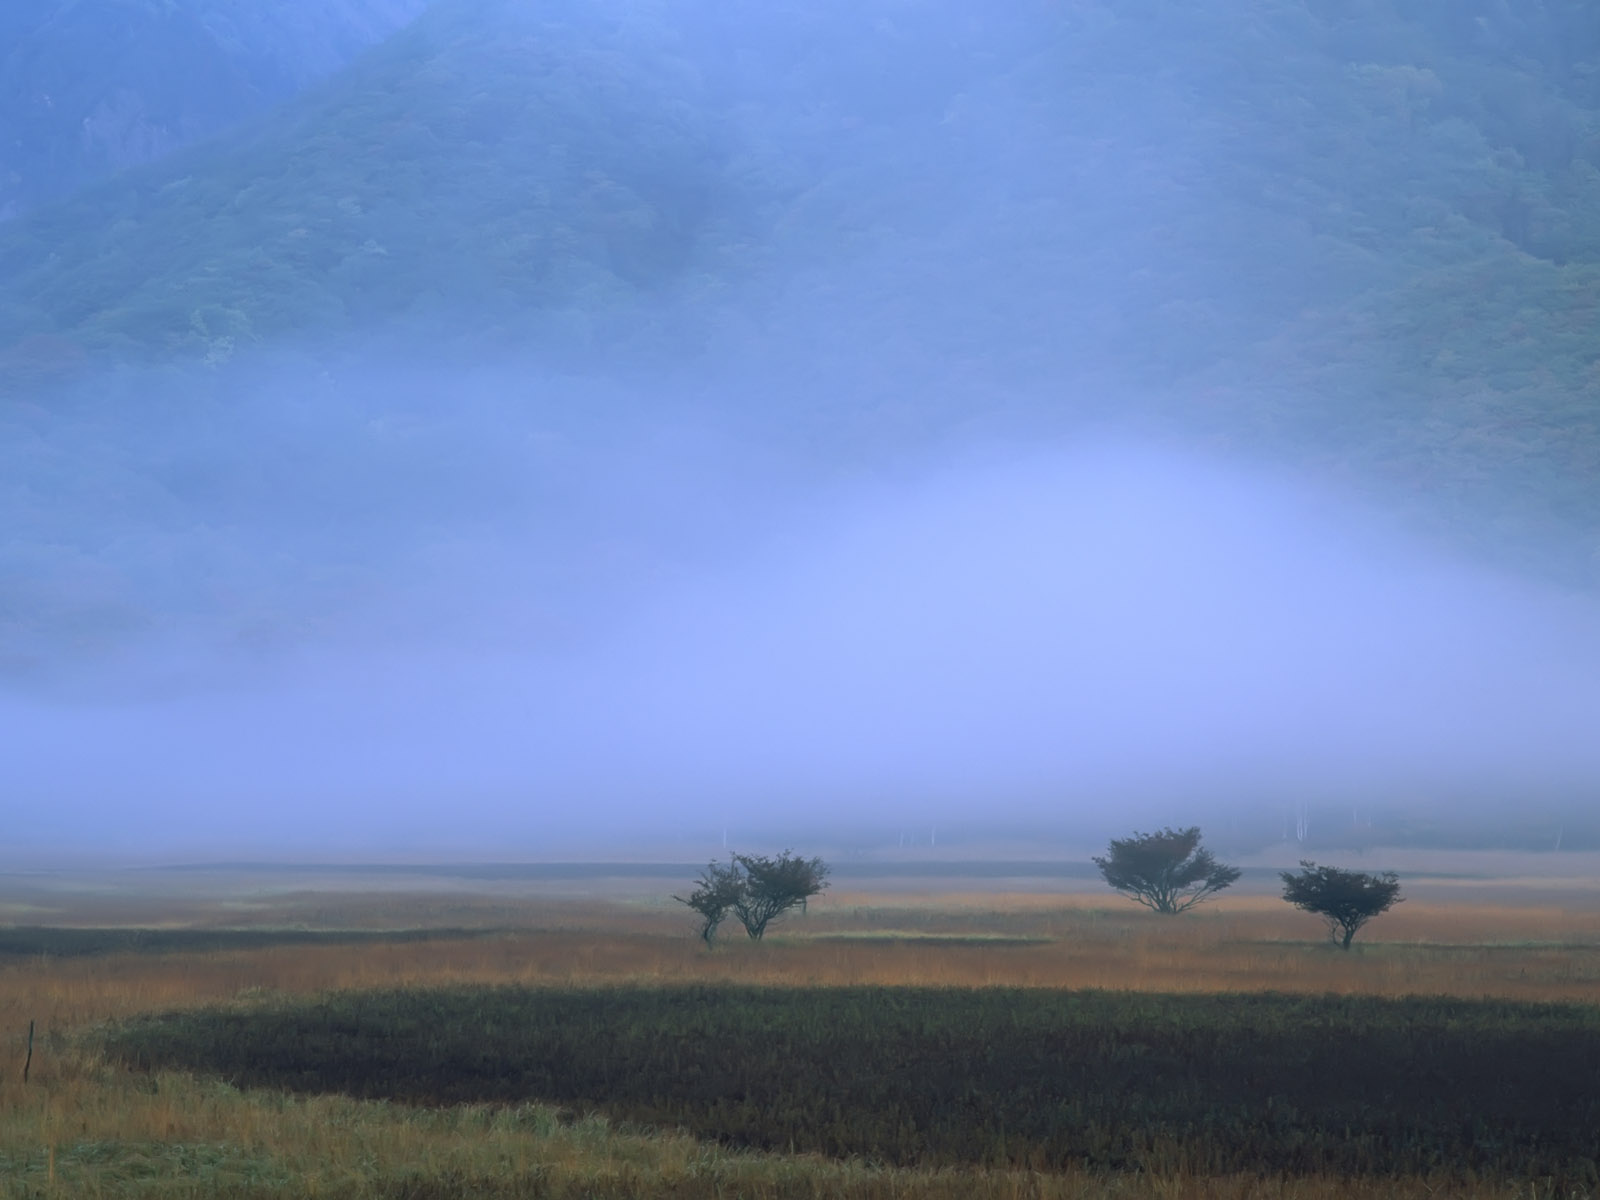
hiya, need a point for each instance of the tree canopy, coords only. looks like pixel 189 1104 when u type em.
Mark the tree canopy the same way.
pixel 1347 900
pixel 719 887
pixel 1167 871
pixel 774 885
pixel 757 889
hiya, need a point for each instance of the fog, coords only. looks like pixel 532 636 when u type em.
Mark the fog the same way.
pixel 461 627
pixel 950 434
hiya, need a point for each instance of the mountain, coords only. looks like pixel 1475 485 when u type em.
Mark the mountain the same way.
pixel 91 87
pixel 494 159
pixel 1364 237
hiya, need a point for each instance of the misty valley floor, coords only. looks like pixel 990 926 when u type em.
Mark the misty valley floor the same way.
pixel 475 1041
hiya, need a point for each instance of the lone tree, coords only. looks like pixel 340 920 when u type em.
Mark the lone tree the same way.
pixel 756 889
pixel 1165 871
pixel 1347 900
pixel 717 890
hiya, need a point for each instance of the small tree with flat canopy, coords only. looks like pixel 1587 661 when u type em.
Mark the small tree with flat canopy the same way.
pixel 754 888
pixel 772 886
pixel 1167 871
pixel 1347 900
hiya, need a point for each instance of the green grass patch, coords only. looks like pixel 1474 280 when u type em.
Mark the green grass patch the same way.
pixel 1213 1084
pixel 124 1164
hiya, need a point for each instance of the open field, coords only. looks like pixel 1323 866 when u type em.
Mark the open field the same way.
pixel 100 1129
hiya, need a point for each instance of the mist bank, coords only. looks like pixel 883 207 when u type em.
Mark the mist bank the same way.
pixel 659 634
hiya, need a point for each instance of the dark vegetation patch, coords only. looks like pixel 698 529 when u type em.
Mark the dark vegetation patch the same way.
pixel 29 941
pixel 1043 1079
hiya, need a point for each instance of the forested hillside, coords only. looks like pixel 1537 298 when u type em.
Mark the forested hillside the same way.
pixel 1366 235
pixel 90 87
pixel 488 162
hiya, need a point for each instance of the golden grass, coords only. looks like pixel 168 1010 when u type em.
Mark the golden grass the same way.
pixel 119 1135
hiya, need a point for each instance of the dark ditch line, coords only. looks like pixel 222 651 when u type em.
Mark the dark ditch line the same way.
pixel 44 941
pixel 985 940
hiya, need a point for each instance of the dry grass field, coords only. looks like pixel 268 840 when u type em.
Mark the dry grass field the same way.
pixel 83 1127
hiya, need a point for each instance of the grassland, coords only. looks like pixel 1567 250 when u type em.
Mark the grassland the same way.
pixel 98 1128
